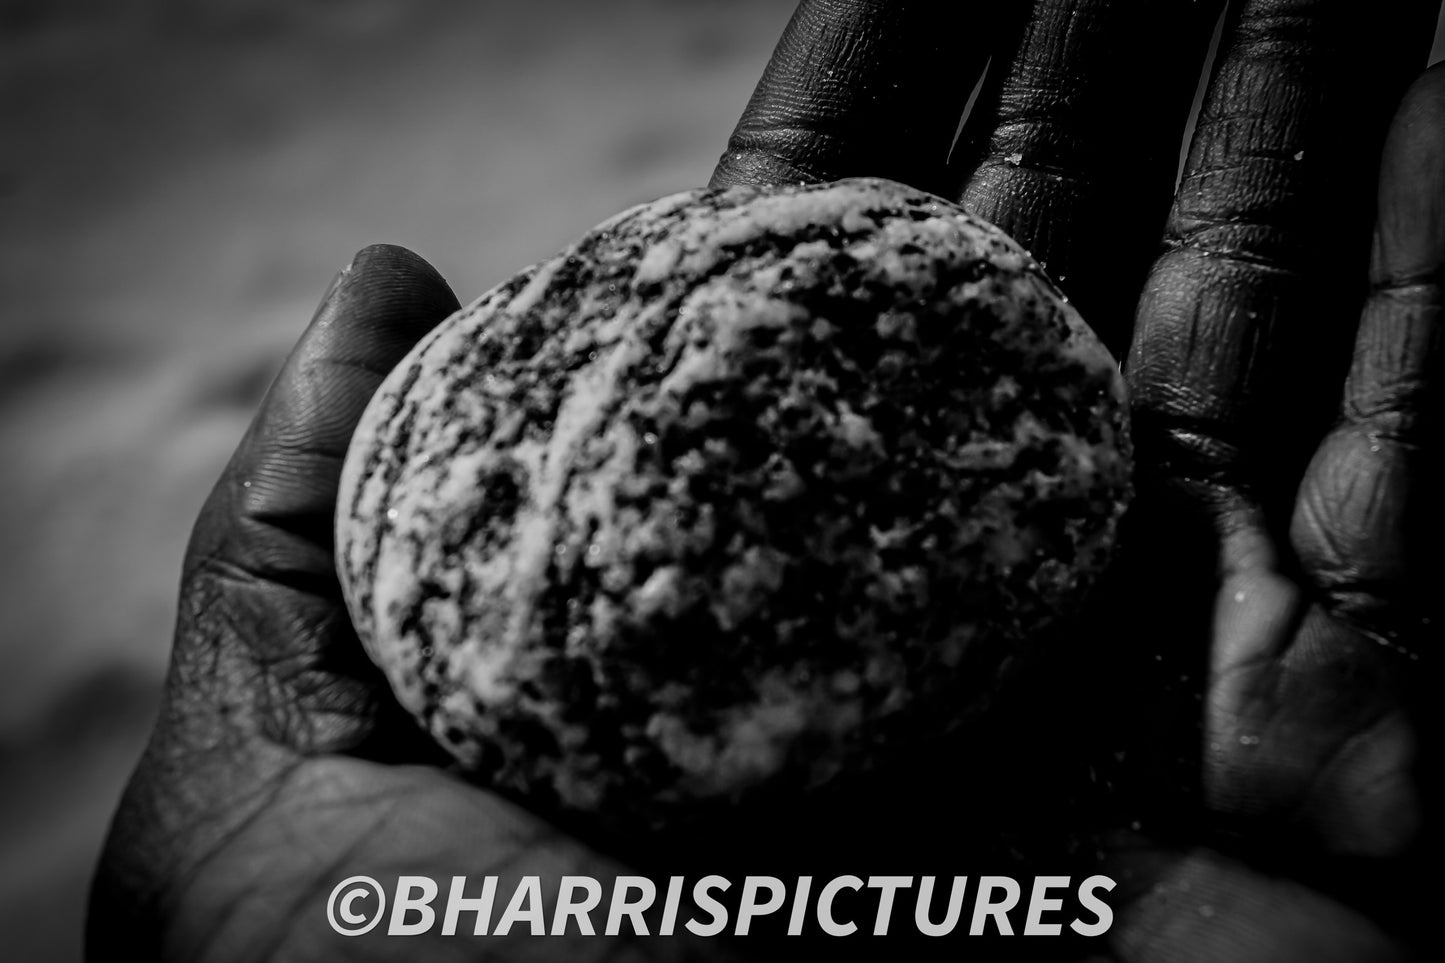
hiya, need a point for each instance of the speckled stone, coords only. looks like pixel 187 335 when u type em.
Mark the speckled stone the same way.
pixel 739 491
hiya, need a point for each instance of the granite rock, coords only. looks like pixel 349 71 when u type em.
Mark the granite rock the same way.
pixel 741 490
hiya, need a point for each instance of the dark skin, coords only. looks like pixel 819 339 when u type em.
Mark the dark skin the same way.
pixel 1237 730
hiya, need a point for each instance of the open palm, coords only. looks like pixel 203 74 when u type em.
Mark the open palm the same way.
pixel 1242 716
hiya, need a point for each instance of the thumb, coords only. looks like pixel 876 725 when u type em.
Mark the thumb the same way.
pixel 263 637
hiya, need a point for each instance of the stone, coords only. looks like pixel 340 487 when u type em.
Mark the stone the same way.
pixel 742 490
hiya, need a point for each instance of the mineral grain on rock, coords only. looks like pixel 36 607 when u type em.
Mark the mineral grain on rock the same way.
pixel 741 490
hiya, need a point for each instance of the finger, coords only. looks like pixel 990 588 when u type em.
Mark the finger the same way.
pixel 263 628
pixel 1240 325
pixel 1073 150
pixel 277 497
pixel 863 87
pixel 1309 725
pixel 1367 526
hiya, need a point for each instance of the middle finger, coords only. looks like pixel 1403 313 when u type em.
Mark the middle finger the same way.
pixel 1073 149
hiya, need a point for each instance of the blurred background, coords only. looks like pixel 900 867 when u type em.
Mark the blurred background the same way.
pixel 179 180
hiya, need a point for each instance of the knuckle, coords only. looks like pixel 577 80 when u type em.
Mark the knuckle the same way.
pixel 1181 444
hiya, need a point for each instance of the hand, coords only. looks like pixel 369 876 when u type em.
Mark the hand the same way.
pixel 280 766
pixel 1247 699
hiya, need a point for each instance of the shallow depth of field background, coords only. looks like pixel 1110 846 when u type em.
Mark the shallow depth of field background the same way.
pixel 179 180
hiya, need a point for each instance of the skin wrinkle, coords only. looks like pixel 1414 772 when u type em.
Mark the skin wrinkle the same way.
pixel 291 710
pixel 249 807
pixel 1354 579
pixel 283 784
pixel 321 881
pixel 1195 456
pixel 209 655
pixel 273 513
pixel 1080 180
pixel 309 535
pixel 1033 101
pixel 1270 208
pixel 1424 286
pixel 298 579
pixel 1243 164
pixel 1209 355
pixel 269 884
pixel 1237 254
pixel 1391 426
pixel 1327 557
pixel 775 146
pixel 232 578
pixel 1400 340
pixel 308 682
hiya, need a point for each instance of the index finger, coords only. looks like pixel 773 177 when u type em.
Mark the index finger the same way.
pixel 863 87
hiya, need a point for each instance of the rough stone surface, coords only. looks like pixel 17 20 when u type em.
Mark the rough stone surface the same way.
pixel 737 492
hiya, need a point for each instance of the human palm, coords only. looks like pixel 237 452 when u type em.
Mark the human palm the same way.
pixel 1235 726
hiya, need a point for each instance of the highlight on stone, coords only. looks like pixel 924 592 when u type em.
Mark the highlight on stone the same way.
pixel 744 489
